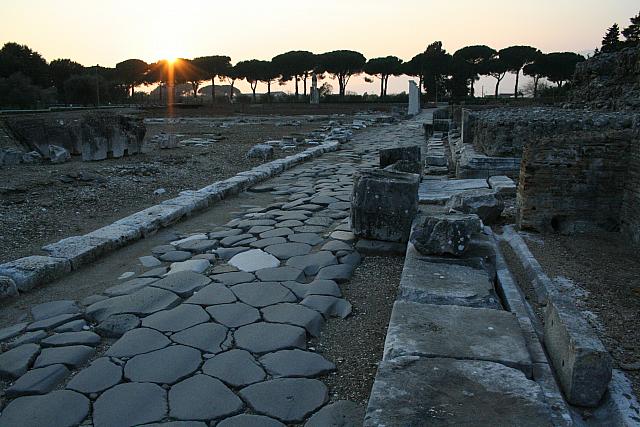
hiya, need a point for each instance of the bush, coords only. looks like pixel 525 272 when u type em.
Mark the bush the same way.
pixel 17 91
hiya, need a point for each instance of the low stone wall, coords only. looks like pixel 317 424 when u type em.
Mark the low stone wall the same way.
pixel 630 216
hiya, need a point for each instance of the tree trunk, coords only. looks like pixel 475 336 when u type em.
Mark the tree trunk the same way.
pixel 497 87
pixel 386 84
pixel 269 91
pixel 233 82
pixel 517 80
pixel 253 89
pixel 304 80
pixel 472 90
pixel 132 90
pixel 535 86
pixel 297 93
pixel 381 86
pixel 213 89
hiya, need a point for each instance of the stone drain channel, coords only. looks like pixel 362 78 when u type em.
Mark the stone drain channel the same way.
pixel 214 331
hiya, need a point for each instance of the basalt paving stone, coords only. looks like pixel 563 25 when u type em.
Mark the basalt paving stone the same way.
pixel 248 223
pixel 166 366
pixel 308 207
pixel 12 331
pixel 341 413
pixel 294 314
pixel 262 294
pixel 260 229
pixel 290 400
pixel 296 363
pixel 53 308
pixel 278 232
pixel 175 256
pixel 224 233
pixel 15 362
pixel 27 338
pixel 292 216
pixel 177 319
pixel 38 381
pixel 117 325
pixel 145 301
pixel 129 287
pixel 207 337
pixel 213 294
pixel 312 263
pixel 263 243
pixel 162 249
pixel 202 398
pixel 245 242
pixel 228 253
pixel 53 322
pixel 328 305
pixel 339 273
pixel 280 274
pixel 149 261
pixel 253 260
pixel 177 424
pixel 308 238
pixel 138 341
pixel 72 338
pixel 323 200
pixel 340 206
pixel 99 376
pixel 231 240
pixel 230 279
pixel 263 337
pixel 237 368
pixel 73 326
pixel 323 287
pixel 193 265
pixel 289 223
pixel 183 283
pixel 248 420
pixel 130 404
pixel 59 408
pixel 323 221
pixel 198 246
pixel 156 272
pixel 72 356
pixel 309 229
pixel 345 236
pixel 354 259
pixel 288 250
pixel 234 315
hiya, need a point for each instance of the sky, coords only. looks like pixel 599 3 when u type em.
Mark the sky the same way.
pixel 106 32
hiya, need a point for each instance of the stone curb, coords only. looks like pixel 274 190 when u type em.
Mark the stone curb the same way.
pixel 71 253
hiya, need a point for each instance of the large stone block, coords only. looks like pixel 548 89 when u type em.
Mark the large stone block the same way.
pixel 578 356
pixel 384 204
pixel 35 270
pixel 444 233
pixel 389 156
pixel 482 202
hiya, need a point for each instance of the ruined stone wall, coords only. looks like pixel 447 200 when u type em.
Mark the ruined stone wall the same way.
pixel 575 181
pixel 630 216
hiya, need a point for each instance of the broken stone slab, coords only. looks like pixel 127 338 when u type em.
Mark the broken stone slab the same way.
pixel 413 391
pixel 176 319
pixel 35 270
pixel 579 358
pixel 53 322
pixel 248 420
pixel 405 166
pixel 145 301
pixel 329 306
pixel 193 265
pixel 262 294
pixel 207 337
pixel 27 338
pixel 444 233
pixel 58 408
pixel 482 202
pixel 38 381
pixel 12 331
pixel 87 338
pixel 502 185
pixel 439 191
pixel 384 204
pixel 295 314
pixel 456 332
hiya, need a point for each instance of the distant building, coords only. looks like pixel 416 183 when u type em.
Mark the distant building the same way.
pixel 222 91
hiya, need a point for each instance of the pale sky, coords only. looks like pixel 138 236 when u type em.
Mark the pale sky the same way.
pixel 108 31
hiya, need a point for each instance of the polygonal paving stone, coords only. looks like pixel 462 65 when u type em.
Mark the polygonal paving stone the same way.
pixel 234 315
pixel 288 250
pixel 345 236
pixel 156 272
pixel 353 259
pixel 12 331
pixel 248 223
pixel 211 295
pixel 295 314
pixel 253 260
pixel 312 263
pixel 15 362
pixel 175 320
pixel 296 363
pixel 308 238
pixel 149 261
pixel 323 287
pixel 198 246
pixel 166 366
pixel 289 223
pixel 287 399
pixel 73 356
pixel 73 326
pixel 53 322
pixel 280 274
pixel 130 286
pixel 278 232
pixel 38 381
pixel 175 256
pixel 340 206
pixel 237 368
pixel 224 233
pixel 308 207
pixel 183 283
pixel 130 404
pixel 117 325
pixel 53 308
pixel 162 249
pixel 263 243
pixel 323 221
pixel 323 200
pixel 193 265
pixel 340 273
pixel 262 294
pixel 265 337
pixel 28 338
pixel 62 408
pixel 99 376
pixel 247 420
pixel 310 229
pixel 245 242
pixel 260 229
pixel 72 338
pixel 336 246
pixel 232 240
pixel 328 305
pixel 228 253
pixel 177 424
pixel 207 337
pixel 202 398
pixel 145 301
pixel 295 216
pixel 341 413
pixel 138 341
pixel 233 278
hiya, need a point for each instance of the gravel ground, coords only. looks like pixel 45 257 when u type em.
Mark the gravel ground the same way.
pixel 356 343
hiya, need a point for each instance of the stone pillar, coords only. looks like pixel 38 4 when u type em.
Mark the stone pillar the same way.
pixel 384 204
pixel 414 99
pixel 315 94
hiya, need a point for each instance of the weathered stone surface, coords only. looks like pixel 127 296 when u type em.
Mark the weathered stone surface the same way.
pixel 453 392
pixel 202 398
pixel 15 362
pixel 138 341
pixel 175 320
pixel 117 325
pixel 288 399
pixel 166 366
pixel 192 265
pixel 263 243
pixel 247 420
pixel 280 274
pixel 502 185
pixel 130 404
pixel 340 273
pixel 73 356
pixel 308 238
pixel 295 314
pixel 72 338
pixel 129 286
pixel 581 361
pixel 328 305
pixel 262 294
pixel 339 414
pixel 27 338
pixel 53 322
pixel 198 246
pixel 265 337
pixel 38 381
pixel 255 259
pixel 35 270
pixel 285 251
pixel 212 295
pixel 149 261
pixel 384 204
pixel 312 263
pixel 232 240
pixel 336 246
pixel 101 375
pixel 233 278
pixel 175 256
pixel 145 301
pixel 296 363
pixel 62 408
pixel 482 202
pixel 234 315
pixel 183 283
pixel 237 368
pixel 207 337
pixel 278 232
pixel 12 331
pixel 53 308
pixel 73 326
pixel 444 234
pixel 228 253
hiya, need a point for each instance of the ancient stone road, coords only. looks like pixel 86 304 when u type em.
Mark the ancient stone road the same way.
pixel 215 331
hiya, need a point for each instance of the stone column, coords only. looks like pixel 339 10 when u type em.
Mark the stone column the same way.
pixel 414 99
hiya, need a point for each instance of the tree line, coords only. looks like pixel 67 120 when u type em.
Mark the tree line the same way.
pixel 441 75
pixel 611 42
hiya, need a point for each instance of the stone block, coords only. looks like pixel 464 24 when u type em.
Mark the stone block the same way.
pixel 389 156
pixel 384 204
pixel 503 185
pixel 35 270
pixel 444 233
pixel 439 191
pixel 79 250
pixel 482 202
pixel 578 356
